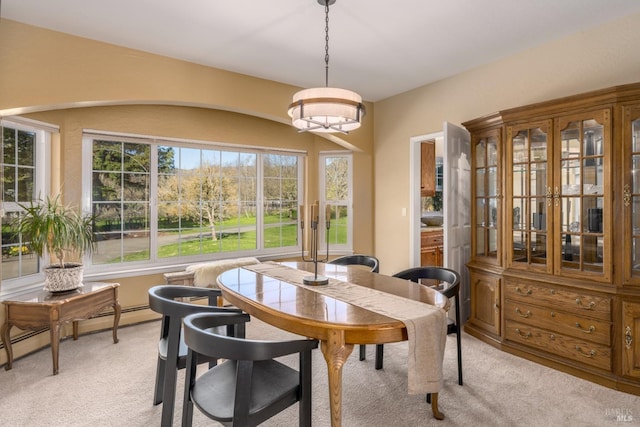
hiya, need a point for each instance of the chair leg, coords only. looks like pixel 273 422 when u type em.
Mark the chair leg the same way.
pixel 169 394
pixel 189 381
pixel 363 352
pixel 170 374
pixel 305 385
pixel 459 359
pixel 459 340
pixel 159 389
pixel 379 355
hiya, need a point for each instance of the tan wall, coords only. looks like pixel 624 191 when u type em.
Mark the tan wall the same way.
pixel 603 57
pixel 78 84
pixel 45 70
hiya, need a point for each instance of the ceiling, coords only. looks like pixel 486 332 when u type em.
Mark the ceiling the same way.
pixel 377 48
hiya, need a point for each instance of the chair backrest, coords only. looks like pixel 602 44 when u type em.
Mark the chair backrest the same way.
pixel 450 278
pixel 164 299
pixel 366 260
pixel 201 334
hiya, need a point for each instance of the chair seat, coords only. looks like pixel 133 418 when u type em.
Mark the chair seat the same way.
pixel 214 391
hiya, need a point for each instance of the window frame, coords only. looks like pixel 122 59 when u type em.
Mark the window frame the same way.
pixel 322 178
pixel 156 264
pixel 41 189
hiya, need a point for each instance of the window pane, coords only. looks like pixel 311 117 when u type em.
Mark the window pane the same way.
pixel 337 178
pixel 280 201
pixel 9 184
pixel 338 225
pixel 19 177
pixel 120 189
pixel 18 258
pixel 335 208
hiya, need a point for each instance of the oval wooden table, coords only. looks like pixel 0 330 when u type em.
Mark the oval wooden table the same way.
pixel 338 325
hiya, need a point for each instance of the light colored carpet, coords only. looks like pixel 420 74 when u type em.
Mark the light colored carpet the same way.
pixel 102 384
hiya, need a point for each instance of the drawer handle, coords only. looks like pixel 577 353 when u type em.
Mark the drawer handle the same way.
pixel 518 290
pixel 521 314
pixel 586 331
pixel 628 339
pixel 591 306
pixel 590 354
pixel 525 335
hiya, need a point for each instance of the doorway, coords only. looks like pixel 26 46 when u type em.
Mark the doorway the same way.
pixel 453 142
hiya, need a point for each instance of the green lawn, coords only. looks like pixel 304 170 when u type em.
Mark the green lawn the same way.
pixel 274 237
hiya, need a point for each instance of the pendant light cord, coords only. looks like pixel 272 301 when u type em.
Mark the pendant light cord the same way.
pixel 326 43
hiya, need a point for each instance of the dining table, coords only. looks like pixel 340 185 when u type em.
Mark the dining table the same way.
pixel 273 293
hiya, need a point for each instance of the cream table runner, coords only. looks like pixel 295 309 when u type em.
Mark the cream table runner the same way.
pixel 426 324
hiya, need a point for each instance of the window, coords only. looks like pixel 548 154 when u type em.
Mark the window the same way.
pixel 159 201
pixel 23 175
pixel 336 189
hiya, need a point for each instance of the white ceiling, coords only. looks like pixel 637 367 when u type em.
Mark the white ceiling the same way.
pixel 377 48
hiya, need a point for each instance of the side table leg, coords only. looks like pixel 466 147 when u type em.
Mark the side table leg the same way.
pixel 6 340
pixel 55 345
pixel 75 330
pixel 116 319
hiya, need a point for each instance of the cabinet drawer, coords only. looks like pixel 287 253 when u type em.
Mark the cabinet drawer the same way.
pixel 580 303
pixel 594 330
pixel 581 351
pixel 431 238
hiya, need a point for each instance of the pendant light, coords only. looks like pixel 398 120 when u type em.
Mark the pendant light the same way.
pixel 326 109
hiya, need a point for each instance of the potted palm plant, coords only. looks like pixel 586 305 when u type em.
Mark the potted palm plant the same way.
pixel 62 231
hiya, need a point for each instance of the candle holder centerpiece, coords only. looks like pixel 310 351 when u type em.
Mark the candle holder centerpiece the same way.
pixel 312 250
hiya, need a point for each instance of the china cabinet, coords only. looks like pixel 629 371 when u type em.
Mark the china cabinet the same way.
pixel 555 266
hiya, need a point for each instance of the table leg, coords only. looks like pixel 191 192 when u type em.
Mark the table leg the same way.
pixel 116 320
pixel 55 345
pixel 434 407
pixel 335 352
pixel 6 340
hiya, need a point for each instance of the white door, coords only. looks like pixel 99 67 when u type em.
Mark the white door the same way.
pixel 457 208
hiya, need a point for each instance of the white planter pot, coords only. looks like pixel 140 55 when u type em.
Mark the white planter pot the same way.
pixel 63 279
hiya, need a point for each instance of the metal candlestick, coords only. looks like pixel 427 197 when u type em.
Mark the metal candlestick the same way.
pixel 315 280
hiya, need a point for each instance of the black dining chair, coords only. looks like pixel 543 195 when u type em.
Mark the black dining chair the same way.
pixel 365 260
pixel 249 387
pixel 173 302
pixel 445 281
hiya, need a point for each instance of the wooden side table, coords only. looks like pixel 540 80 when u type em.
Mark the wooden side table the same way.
pixel 36 310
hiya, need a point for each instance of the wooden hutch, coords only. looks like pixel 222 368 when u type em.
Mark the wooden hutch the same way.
pixel 555 263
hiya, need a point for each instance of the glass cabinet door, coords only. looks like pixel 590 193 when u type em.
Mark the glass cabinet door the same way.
pixel 581 197
pixel 529 205
pixel 631 194
pixel 486 156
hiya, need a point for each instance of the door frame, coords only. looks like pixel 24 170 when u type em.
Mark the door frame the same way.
pixel 414 198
